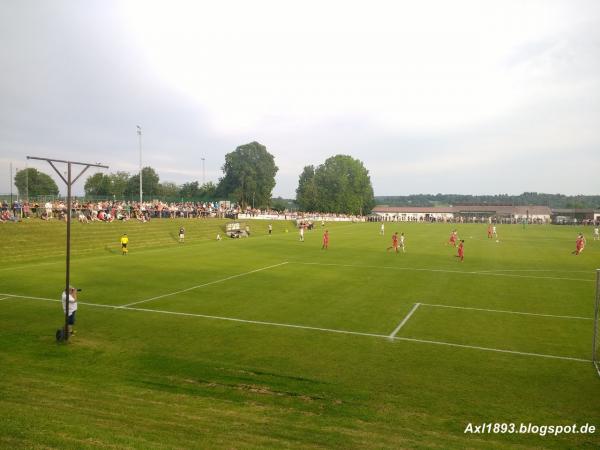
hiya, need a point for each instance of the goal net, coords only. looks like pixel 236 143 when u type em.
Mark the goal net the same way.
pixel 596 347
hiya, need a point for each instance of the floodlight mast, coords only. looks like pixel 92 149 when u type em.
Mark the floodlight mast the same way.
pixel 139 133
pixel 69 182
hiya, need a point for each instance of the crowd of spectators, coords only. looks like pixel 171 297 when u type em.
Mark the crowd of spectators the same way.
pixel 111 210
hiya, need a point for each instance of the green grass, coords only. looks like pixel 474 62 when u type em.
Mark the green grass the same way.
pixel 142 377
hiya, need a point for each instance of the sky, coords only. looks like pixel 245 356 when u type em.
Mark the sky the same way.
pixel 469 97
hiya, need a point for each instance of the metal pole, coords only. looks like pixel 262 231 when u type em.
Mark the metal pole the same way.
pixel 69 181
pixel 139 132
pixel 68 262
pixel 11 183
pixel 596 318
pixel 27 182
pixel 203 173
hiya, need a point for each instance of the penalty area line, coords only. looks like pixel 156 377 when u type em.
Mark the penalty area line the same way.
pixel 357 333
pixel 410 313
pixel 326 330
pixel 490 349
pixel 202 285
pixel 469 308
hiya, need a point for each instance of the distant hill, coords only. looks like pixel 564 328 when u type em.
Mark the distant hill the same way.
pixel 526 198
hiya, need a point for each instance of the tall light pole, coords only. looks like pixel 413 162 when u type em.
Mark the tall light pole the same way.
pixel 27 182
pixel 139 133
pixel 69 182
pixel 11 183
pixel 203 173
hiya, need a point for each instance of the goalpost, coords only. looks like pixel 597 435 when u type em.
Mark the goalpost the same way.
pixel 596 345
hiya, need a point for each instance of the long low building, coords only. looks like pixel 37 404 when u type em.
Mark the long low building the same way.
pixel 485 213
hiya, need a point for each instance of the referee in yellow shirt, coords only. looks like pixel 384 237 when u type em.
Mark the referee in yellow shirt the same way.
pixel 124 242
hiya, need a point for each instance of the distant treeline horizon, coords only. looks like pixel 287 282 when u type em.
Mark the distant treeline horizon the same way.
pixel 526 198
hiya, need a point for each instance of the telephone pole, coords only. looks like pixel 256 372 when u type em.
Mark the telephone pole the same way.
pixel 69 181
pixel 139 133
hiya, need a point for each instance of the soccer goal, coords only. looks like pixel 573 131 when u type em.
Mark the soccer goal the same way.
pixel 596 347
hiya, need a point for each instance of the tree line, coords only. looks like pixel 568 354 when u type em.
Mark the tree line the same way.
pixel 124 185
pixel 341 184
pixel 526 198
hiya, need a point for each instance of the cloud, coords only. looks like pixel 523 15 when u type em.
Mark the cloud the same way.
pixel 428 94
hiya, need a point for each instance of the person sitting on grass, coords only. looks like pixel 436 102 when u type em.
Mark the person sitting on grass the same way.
pixel 8 216
pixel 81 217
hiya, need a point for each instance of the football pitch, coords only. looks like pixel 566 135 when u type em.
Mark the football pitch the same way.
pixel 272 342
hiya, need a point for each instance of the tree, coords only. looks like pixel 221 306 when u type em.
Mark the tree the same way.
pixel 193 190
pixel 249 175
pixel 118 183
pixel 32 182
pixel 150 183
pixel 97 185
pixel 340 185
pixel 208 191
pixel 306 194
pixel 189 190
pixel 281 204
pixel 167 189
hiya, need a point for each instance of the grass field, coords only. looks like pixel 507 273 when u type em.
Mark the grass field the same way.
pixel 270 342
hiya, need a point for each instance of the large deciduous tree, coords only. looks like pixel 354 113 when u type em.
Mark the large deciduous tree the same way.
pixel 249 175
pixel 193 190
pixel 150 183
pixel 107 185
pixel 189 190
pixel 340 185
pixel 306 194
pixel 168 190
pixel 32 182
pixel 118 183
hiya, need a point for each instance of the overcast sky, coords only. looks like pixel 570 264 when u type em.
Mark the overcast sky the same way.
pixel 454 96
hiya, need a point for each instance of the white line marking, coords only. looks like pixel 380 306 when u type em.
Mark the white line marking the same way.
pixel 489 349
pixel 328 330
pixel 4 298
pixel 506 312
pixel 202 285
pixel 410 313
pixel 536 270
pixel 462 272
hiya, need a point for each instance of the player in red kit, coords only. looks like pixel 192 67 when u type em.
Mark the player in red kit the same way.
pixel 453 238
pixel 325 240
pixel 490 233
pixel 461 250
pixel 394 242
pixel 579 244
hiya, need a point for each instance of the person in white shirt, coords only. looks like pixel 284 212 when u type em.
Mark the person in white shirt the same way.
pixel 302 233
pixel 596 234
pixel 402 243
pixel 72 307
pixel 382 230
pixel 48 207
